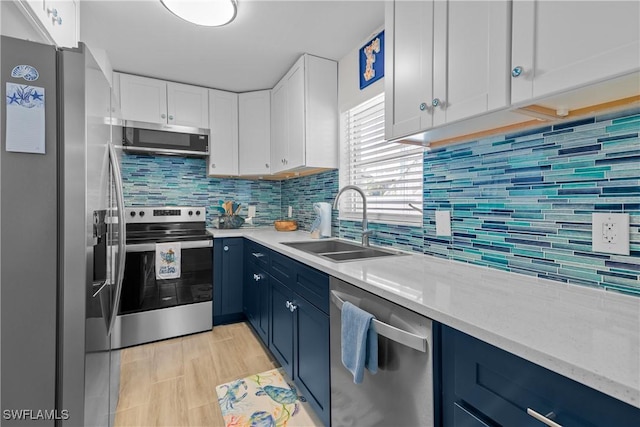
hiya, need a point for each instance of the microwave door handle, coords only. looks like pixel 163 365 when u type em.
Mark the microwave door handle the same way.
pixel 122 236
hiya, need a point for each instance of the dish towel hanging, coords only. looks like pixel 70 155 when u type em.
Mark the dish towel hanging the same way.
pixel 359 341
pixel 168 260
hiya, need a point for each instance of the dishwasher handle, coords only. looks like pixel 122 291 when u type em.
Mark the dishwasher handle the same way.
pixel 400 336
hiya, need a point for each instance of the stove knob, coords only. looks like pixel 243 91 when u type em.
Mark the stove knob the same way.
pixel 197 212
pixel 141 213
pixel 132 213
pixel 190 213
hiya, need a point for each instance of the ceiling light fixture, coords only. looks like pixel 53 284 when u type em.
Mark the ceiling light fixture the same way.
pixel 209 13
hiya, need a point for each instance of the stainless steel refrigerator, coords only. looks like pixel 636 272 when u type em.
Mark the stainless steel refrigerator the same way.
pixel 61 262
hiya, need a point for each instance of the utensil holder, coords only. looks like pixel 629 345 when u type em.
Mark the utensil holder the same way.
pixel 230 221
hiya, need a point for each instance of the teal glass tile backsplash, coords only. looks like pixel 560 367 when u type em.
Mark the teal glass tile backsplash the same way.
pixel 523 202
pixel 168 180
pixel 519 202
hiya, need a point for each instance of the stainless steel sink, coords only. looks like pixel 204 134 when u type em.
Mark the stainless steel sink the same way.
pixel 340 251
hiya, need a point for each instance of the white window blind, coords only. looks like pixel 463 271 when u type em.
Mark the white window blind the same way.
pixel 390 174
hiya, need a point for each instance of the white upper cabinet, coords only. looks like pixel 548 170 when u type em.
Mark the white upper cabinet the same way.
pixel 445 61
pixel 148 100
pixel 304 116
pixel 187 105
pixel 254 132
pixel 223 141
pixel 143 99
pixel 408 67
pixel 561 45
pixel 56 20
pixel 471 59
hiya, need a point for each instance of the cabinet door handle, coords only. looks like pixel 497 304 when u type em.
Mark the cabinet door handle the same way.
pixel 164 116
pixel 226 248
pixel 170 117
pixel 292 307
pixel 516 72
pixel 266 165
pixel 288 305
pixel 213 165
pixel 257 254
pixel 542 418
pixel 257 277
pixel 423 106
pixel 435 102
pixel 53 12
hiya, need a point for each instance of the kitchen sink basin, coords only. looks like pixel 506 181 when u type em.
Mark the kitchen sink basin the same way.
pixel 340 251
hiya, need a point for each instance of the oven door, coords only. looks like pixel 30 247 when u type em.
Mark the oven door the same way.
pixel 152 309
pixel 142 291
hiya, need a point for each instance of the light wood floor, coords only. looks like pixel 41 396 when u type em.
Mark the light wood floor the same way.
pixel 172 382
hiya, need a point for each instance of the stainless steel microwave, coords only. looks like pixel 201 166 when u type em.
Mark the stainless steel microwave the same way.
pixel 165 139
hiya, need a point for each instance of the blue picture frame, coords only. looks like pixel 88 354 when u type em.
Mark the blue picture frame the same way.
pixel 372 61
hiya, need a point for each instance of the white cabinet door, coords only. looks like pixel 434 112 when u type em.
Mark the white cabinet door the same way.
pixel 56 20
pixel 408 67
pixel 187 105
pixel 143 99
pixel 559 45
pixel 254 132
pixel 62 22
pixel 279 127
pixel 223 142
pixel 296 116
pixel 304 116
pixel 471 58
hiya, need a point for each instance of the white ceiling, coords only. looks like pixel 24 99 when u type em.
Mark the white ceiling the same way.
pixel 251 53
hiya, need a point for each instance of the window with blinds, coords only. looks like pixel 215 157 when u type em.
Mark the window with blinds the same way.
pixel 389 173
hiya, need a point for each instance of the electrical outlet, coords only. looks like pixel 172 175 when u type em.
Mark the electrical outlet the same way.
pixel 252 211
pixel 610 233
pixel 443 223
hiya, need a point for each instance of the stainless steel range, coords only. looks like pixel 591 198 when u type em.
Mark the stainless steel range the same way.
pixel 168 277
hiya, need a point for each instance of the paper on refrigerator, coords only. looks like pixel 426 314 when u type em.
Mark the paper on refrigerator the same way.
pixel 25 126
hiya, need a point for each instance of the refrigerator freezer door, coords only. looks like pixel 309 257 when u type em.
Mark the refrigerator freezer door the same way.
pixel 29 243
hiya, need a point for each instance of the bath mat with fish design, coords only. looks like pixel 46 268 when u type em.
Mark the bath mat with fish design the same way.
pixel 263 399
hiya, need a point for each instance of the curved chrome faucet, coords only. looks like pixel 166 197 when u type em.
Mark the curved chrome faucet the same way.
pixel 365 224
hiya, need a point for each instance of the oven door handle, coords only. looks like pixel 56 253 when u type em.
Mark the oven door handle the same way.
pixel 151 247
pixel 122 236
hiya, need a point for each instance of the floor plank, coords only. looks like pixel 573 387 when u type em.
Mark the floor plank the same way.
pixel 172 382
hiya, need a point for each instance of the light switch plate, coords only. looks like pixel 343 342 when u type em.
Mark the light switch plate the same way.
pixel 443 223
pixel 610 233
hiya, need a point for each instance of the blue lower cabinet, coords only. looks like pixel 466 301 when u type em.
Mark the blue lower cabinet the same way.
pixel 464 418
pixel 256 299
pixel 311 355
pixel 281 333
pixel 484 385
pixel 228 280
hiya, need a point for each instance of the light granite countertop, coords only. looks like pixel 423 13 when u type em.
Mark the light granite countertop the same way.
pixel 589 335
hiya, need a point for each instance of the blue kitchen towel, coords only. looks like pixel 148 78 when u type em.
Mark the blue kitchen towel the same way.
pixel 359 341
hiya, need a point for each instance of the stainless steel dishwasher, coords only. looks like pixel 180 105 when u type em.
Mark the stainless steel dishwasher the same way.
pixel 401 393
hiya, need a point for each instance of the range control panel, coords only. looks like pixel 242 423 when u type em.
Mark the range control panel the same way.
pixel 164 214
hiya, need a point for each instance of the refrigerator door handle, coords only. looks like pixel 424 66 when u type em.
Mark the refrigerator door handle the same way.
pixel 122 237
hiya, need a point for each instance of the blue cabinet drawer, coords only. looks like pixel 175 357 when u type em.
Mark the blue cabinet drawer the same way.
pixel 501 387
pixel 257 254
pixel 313 286
pixel 283 269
